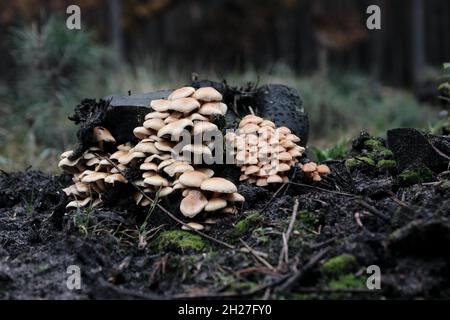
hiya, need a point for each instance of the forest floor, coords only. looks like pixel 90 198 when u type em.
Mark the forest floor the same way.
pixel 364 213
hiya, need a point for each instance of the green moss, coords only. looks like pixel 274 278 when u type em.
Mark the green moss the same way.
pixel 359 161
pixel 306 219
pixel 338 265
pixel 373 144
pixel 347 281
pixel 385 153
pixel 445 184
pixel 181 240
pixel 415 175
pixel 385 164
pixel 243 225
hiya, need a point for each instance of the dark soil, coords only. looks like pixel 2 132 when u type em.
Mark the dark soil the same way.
pixel 364 213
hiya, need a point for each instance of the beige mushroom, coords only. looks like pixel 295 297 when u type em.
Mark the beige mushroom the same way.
pixel 102 134
pixel 183 92
pixel 216 184
pixel 192 178
pixel 213 108
pixel 175 129
pixel 193 225
pixel 193 204
pixel 184 105
pixel 215 204
pixel 160 105
pixel 207 94
pixel 154 124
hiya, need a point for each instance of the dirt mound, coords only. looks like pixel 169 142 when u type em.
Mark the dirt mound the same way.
pixel 364 213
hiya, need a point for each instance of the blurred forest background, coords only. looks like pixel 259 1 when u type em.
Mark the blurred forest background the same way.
pixel 350 78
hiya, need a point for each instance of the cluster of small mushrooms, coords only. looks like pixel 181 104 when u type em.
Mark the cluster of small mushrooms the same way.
pixel 264 153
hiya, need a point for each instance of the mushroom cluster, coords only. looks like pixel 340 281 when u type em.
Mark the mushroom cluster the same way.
pixel 187 114
pixel 264 152
pixel 313 170
pixel 92 172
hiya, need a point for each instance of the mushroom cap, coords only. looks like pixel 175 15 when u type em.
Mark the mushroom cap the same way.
pixel 323 169
pixel 160 105
pixel 177 167
pixel 215 204
pixel 261 182
pixel 116 155
pixel 274 179
pixel 156 115
pixel 175 128
pixel 193 225
pixel 184 105
pixel 82 187
pixel 78 203
pixel 116 177
pixel 67 164
pixel 316 176
pixel 251 170
pixel 309 167
pixel 154 124
pixel 66 154
pixel 72 189
pixel 249 128
pixel 148 166
pixel 165 163
pixel 94 176
pixel 120 167
pixel 147 174
pixel 156 180
pixel 207 171
pixel 130 156
pixel 284 156
pixel 146 147
pixel 229 209
pixel 141 132
pixel 204 126
pixel 182 92
pixel 213 108
pixel 193 203
pixel 164 146
pixel 103 134
pixel 165 191
pixel 124 147
pixel 283 167
pixel 197 116
pixel 192 178
pixel 92 162
pixel 197 149
pixel 283 130
pixel 217 184
pixel 234 197
pixel 250 119
pixel 163 156
pixel 267 123
pixel 207 94
pixel 174 116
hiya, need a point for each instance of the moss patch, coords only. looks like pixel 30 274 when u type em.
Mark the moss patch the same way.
pixel 347 281
pixel 180 240
pixel 338 265
pixel 243 225
pixel 386 164
pixel 359 161
pixel 415 175
pixel 306 219
pixel 445 184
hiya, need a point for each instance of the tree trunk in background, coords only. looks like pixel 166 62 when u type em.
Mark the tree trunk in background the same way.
pixel 115 28
pixel 418 40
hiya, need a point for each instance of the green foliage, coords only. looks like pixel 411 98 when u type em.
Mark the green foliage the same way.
pixel 181 240
pixel 337 151
pixel 444 87
pixel 243 225
pixel 414 175
pixel 386 164
pixel 338 265
pixel 359 161
pixel 348 281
